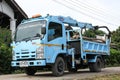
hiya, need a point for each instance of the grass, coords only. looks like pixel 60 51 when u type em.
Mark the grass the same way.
pixel 106 77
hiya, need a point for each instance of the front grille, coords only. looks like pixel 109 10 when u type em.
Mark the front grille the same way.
pixel 33 52
pixel 25 52
pixel 25 55
pixel 25 59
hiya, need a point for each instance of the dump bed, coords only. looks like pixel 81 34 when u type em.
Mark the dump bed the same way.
pixel 91 47
pixel 88 46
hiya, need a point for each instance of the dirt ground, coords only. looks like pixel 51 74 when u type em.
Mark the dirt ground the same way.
pixel 81 74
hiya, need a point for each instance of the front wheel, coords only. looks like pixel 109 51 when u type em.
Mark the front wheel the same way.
pixel 30 71
pixel 58 67
pixel 96 67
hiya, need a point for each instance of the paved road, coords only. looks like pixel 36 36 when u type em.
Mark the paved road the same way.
pixel 81 74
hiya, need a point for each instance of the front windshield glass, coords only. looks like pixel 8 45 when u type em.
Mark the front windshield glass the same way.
pixel 30 30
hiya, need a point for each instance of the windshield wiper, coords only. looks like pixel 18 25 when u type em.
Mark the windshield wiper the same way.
pixel 31 38
pixel 37 35
pixel 26 39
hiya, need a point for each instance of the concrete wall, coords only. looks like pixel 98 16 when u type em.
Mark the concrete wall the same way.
pixel 6 9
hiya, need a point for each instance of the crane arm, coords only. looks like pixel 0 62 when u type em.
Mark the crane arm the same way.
pixel 72 22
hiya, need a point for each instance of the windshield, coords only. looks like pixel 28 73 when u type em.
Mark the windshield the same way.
pixel 30 30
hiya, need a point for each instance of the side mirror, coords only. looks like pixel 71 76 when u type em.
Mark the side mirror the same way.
pixel 43 30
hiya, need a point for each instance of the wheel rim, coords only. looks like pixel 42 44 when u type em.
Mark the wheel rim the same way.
pixel 60 66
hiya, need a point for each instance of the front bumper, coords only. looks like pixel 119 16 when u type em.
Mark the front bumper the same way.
pixel 28 63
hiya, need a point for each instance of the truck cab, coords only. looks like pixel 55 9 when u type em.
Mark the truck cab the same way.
pixel 45 42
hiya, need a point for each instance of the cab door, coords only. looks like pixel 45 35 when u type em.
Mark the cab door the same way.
pixel 55 41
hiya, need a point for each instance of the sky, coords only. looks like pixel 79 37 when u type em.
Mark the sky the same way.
pixel 96 12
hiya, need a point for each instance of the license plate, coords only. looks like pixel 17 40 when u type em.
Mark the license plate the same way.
pixel 23 64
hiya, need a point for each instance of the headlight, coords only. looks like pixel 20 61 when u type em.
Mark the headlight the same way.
pixel 39 56
pixel 40 52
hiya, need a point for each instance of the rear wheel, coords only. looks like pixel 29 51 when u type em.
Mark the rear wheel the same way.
pixel 96 67
pixel 58 67
pixel 30 71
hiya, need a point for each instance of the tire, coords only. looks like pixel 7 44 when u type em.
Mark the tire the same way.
pixel 30 71
pixel 58 67
pixel 96 67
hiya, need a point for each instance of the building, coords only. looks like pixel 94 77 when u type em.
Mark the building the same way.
pixel 10 14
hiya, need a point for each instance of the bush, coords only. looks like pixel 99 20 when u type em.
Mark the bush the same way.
pixel 5 51
pixel 114 58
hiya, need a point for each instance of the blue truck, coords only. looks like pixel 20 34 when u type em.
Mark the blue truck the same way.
pixel 53 42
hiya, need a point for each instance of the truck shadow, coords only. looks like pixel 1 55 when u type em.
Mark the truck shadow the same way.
pixel 49 74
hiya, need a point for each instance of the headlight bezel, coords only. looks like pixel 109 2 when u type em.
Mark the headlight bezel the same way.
pixel 40 52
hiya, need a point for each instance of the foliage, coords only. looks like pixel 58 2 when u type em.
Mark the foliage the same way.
pixel 93 33
pixel 114 58
pixel 5 51
pixel 18 71
pixel 116 38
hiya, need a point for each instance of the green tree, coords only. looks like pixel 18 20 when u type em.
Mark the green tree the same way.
pixel 5 51
pixel 93 33
pixel 114 58
pixel 116 38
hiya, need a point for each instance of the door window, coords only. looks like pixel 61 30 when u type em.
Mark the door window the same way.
pixel 54 31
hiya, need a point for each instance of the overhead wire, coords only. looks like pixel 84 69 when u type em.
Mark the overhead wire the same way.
pixel 108 10
pixel 89 10
pixel 83 13
pixel 82 7
pixel 100 10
